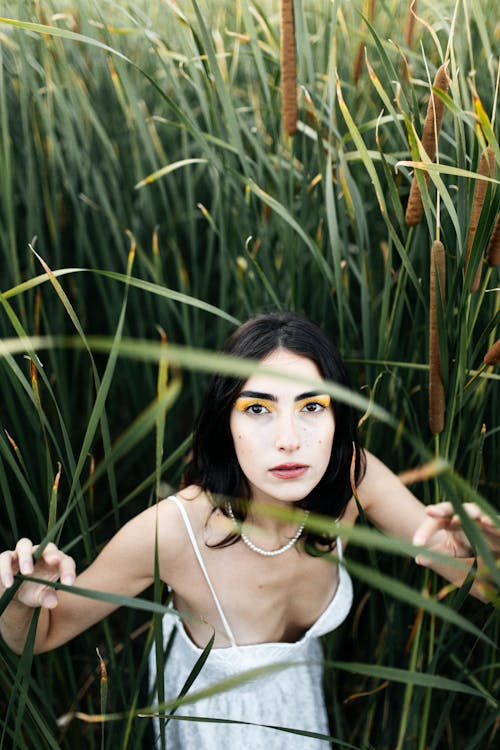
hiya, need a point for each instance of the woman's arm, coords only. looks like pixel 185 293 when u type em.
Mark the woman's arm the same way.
pixel 125 566
pixel 391 507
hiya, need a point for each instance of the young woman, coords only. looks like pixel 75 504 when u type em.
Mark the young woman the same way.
pixel 265 587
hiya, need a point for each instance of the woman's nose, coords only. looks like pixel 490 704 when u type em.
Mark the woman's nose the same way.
pixel 287 434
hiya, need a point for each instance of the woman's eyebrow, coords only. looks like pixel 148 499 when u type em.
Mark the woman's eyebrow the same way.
pixel 257 394
pixel 309 394
pixel 271 397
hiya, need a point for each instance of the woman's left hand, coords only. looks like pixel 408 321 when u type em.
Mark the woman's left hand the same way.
pixel 442 531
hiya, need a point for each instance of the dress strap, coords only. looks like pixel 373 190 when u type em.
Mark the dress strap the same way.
pixel 197 552
pixel 339 548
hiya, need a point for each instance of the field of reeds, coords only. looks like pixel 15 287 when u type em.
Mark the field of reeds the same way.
pixel 162 177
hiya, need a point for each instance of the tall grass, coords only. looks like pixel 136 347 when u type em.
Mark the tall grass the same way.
pixel 149 200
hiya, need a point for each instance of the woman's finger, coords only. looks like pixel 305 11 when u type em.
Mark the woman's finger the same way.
pixel 8 567
pixel 440 510
pixel 52 565
pixel 24 551
pixel 428 528
pixel 67 572
pixel 60 565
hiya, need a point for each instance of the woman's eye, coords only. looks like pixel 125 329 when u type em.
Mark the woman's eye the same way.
pixel 312 407
pixel 256 409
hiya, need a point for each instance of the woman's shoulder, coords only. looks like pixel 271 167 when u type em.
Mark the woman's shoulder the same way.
pixel 191 501
pixel 164 518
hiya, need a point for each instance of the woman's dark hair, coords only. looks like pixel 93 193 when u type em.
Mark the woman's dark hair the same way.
pixel 214 465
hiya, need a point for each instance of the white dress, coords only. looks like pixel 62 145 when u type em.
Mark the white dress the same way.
pixel 290 697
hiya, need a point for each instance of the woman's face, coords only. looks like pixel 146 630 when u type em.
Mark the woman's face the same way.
pixel 283 431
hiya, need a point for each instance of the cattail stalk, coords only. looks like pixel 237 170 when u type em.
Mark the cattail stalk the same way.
pixel 436 388
pixel 492 356
pixel 430 133
pixel 288 68
pixel 486 168
pixel 493 251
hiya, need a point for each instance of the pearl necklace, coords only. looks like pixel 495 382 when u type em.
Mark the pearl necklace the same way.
pixel 267 552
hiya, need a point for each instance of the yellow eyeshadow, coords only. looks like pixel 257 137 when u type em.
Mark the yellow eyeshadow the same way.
pixel 323 400
pixel 243 403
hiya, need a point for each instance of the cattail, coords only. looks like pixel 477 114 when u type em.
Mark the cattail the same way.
pixel 492 356
pixel 358 62
pixel 288 68
pixel 409 31
pixel 436 388
pixel 104 683
pixel 493 251
pixel 360 55
pixel 53 498
pixel 430 133
pixel 486 168
pixel 408 35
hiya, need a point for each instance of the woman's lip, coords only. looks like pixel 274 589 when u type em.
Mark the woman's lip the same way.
pixel 289 471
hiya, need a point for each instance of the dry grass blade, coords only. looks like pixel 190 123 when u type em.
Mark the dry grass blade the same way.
pixel 436 388
pixel 424 472
pixel 486 167
pixel 430 133
pixel 493 251
pixel 492 356
pixel 288 68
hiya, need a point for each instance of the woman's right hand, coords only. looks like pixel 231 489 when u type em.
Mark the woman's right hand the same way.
pixel 443 516
pixel 53 565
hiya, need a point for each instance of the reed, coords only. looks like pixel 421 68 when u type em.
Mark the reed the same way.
pixel 409 31
pixel 153 132
pixel 430 133
pixel 486 168
pixel 436 305
pixel 359 59
pixel 492 356
pixel 288 68
pixel 493 249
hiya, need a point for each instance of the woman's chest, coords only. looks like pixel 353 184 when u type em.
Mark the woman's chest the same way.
pixel 262 600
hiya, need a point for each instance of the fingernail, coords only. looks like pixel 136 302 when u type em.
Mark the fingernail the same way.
pixel 67 580
pixel 418 539
pixel 25 568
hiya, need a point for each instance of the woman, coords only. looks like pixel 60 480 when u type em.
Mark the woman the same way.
pixel 264 587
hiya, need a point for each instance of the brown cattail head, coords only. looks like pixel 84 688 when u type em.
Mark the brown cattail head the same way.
pixel 486 167
pixel 360 54
pixel 436 388
pixel 409 31
pixel 492 356
pixel 493 251
pixel 430 133
pixel 288 68
pixel 358 62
